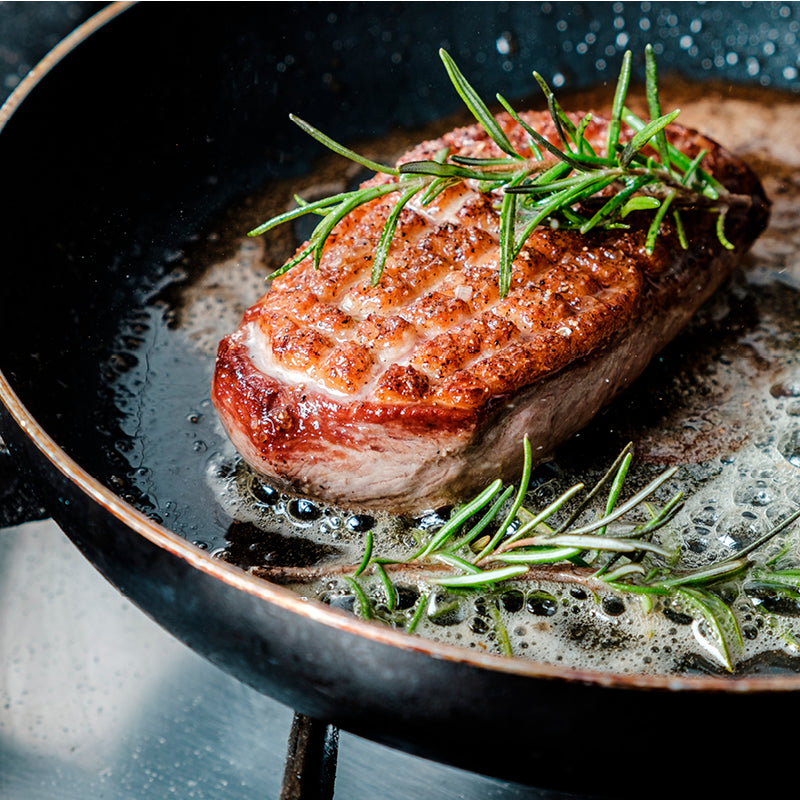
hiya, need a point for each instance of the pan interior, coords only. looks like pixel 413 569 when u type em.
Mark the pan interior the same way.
pixel 144 278
pixel 723 402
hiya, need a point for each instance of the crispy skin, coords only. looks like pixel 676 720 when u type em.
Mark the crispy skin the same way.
pixel 414 393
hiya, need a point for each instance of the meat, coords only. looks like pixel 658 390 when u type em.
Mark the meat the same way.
pixel 417 391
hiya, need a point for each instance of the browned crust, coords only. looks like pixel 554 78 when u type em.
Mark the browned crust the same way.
pixel 296 416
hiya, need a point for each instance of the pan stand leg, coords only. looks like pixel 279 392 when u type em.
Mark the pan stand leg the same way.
pixel 310 769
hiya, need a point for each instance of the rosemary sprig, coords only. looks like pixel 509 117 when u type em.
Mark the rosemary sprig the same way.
pixel 459 557
pixel 566 184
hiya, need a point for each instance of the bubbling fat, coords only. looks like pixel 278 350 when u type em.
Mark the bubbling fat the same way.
pixel 563 621
pixel 722 402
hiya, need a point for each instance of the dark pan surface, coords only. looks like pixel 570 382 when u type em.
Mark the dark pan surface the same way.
pixel 119 172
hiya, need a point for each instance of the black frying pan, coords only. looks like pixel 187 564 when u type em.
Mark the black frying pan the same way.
pixel 117 163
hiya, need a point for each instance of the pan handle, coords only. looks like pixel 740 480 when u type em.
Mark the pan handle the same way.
pixel 310 769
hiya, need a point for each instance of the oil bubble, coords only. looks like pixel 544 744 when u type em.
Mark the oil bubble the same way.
pixel 789 446
pixel 541 604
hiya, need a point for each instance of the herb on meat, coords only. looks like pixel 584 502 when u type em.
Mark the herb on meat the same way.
pixel 569 185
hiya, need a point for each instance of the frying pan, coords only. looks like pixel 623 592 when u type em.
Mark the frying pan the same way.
pixel 127 146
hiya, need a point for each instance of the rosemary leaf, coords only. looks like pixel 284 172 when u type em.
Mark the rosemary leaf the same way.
pixel 639 203
pixel 511 165
pixel 435 169
pixel 350 202
pixel 560 119
pixel 598 487
pixel 389 589
pixel 618 104
pixel 616 202
pixel 784 633
pixel 508 214
pixel 634 501
pixel 512 514
pixel 679 229
pixel 419 612
pixel 710 187
pixel 602 543
pixel 541 141
pixel 362 601
pixel 640 589
pixel 540 555
pixel 624 571
pixel 459 563
pixel 501 633
pixel 616 488
pixel 579 181
pixel 584 146
pixel 293 262
pixel 367 555
pixel 721 229
pixel 302 209
pixel 539 518
pixel 341 149
pixel 662 518
pixel 382 250
pixel 653 102
pixel 786 578
pixel 480 579
pixel 584 188
pixel 778 587
pixel 718 618
pixel 711 574
pixel 435 188
pixel 455 522
pixel 652 233
pixel 580 189
pixel 771 534
pixel 643 137
pixel 478 108
pixel 480 526
pixel 691 170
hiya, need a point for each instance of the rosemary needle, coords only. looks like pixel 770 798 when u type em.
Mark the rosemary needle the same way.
pixel 512 513
pixel 367 555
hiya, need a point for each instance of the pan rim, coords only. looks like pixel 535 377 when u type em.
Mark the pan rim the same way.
pixel 315 611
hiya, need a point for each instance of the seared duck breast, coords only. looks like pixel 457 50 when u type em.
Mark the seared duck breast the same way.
pixel 416 392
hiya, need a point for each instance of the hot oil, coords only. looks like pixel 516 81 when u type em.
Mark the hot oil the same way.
pixel 722 402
